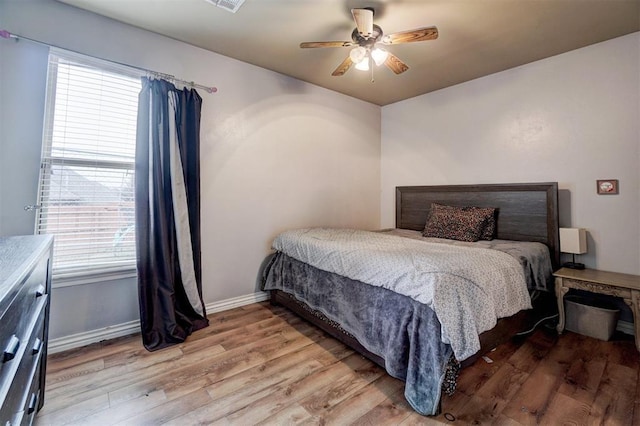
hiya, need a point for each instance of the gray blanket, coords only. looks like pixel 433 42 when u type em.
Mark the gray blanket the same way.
pixel 402 331
pixel 468 288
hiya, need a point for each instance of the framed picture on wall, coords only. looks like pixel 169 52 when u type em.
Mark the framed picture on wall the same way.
pixel 607 186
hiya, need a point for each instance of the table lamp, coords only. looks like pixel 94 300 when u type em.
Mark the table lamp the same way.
pixel 574 241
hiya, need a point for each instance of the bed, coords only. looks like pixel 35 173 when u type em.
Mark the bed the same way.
pixel 398 331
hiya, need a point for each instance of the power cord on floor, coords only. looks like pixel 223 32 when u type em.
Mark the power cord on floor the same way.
pixel 536 324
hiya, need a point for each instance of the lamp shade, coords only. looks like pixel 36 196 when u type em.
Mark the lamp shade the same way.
pixel 573 240
pixel 357 54
pixel 363 65
pixel 379 56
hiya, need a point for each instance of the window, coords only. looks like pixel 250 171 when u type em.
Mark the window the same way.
pixel 86 193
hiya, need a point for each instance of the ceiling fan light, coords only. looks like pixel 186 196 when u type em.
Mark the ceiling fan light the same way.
pixel 357 54
pixel 379 56
pixel 363 65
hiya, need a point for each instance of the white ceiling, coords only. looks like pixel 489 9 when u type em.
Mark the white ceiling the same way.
pixel 477 37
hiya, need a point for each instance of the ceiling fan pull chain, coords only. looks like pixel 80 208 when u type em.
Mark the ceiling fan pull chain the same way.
pixel 372 79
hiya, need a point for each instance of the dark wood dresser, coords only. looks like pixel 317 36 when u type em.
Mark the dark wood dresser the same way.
pixel 25 286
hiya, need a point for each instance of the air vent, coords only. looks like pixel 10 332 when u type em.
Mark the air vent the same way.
pixel 230 5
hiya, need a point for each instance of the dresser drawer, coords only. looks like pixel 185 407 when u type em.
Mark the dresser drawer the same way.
pixel 16 390
pixel 15 320
pixel 31 399
pixel 30 410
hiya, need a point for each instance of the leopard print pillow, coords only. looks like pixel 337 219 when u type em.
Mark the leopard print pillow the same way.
pixel 489 213
pixel 460 223
pixel 453 224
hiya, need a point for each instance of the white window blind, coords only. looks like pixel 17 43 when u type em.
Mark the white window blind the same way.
pixel 86 194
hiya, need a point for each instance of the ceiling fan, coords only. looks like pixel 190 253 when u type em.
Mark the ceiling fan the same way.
pixel 367 38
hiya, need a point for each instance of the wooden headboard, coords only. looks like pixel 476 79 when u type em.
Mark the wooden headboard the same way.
pixel 526 211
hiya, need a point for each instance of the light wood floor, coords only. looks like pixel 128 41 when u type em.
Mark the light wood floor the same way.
pixel 263 365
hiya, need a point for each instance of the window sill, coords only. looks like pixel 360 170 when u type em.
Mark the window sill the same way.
pixel 82 278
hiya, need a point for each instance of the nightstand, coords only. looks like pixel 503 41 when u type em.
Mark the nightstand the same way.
pixel 626 286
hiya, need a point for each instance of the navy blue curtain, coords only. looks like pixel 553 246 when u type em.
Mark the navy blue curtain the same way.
pixel 167 190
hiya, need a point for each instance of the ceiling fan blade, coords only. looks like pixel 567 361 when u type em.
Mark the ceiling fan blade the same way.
pixel 308 44
pixel 343 67
pixel 395 64
pixel 364 21
pixel 420 34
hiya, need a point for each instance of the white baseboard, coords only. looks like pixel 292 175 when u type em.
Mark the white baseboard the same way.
pixel 87 337
pixel 111 332
pixel 625 327
pixel 236 302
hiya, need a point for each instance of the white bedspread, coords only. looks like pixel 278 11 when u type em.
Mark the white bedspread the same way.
pixel 468 288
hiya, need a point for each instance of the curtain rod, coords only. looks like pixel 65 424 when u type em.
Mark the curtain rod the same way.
pixel 209 89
